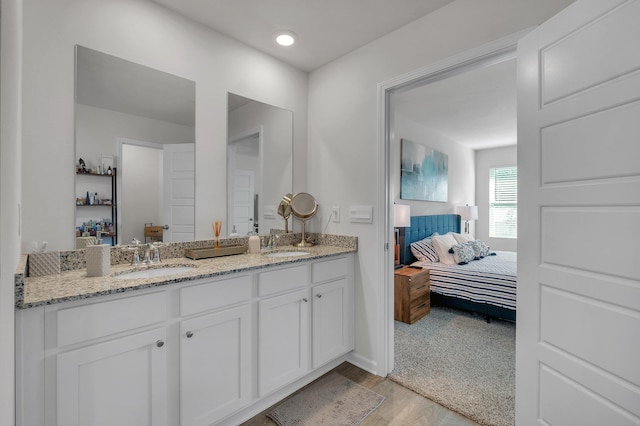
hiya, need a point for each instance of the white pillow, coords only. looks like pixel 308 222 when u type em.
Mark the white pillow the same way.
pixel 442 244
pixel 462 238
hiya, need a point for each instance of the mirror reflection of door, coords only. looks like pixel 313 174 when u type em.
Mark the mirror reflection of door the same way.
pixel 159 189
pixel 244 166
pixel 178 201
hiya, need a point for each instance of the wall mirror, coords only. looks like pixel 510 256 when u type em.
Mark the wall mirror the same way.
pixel 141 122
pixel 259 165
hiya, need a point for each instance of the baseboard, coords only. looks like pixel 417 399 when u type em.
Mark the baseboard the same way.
pixel 364 363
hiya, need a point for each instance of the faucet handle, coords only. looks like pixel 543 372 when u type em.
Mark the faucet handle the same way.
pixel 156 255
pixel 136 257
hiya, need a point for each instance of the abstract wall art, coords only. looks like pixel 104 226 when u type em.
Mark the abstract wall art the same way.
pixel 423 172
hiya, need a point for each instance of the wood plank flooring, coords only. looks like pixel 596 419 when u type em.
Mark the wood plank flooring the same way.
pixel 400 407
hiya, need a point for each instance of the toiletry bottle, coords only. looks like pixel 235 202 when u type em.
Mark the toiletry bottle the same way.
pixel 254 244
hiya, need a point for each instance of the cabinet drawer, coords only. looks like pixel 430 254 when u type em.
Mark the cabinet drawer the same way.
pixel 282 279
pixel 419 311
pixel 329 270
pixel 214 294
pixel 418 289
pixel 101 319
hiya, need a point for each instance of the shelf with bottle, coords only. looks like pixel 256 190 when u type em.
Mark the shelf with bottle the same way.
pixel 93 200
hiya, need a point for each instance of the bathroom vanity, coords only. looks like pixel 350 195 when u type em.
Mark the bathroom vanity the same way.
pixel 214 345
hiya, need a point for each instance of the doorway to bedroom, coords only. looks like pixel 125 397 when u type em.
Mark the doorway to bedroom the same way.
pixel 468 113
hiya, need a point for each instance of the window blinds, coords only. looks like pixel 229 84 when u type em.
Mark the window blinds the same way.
pixel 503 202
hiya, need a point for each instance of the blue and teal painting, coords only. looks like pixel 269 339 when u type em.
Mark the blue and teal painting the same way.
pixel 423 172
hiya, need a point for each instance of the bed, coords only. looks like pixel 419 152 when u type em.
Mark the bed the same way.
pixel 486 286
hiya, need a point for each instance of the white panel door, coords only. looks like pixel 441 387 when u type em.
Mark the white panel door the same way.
pixel 331 321
pixel 283 340
pixel 243 201
pixel 215 365
pixel 179 192
pixel 578 331
pixel 119 382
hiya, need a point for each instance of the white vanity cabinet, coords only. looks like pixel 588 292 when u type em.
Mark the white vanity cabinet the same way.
pixel 332 307
pixel 106 362
pixel 116 382
pixel 283 327
pixel 215 350
pixel 203 352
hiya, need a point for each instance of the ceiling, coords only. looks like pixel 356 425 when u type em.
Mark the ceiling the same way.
pixel 325 29
pixel 476 108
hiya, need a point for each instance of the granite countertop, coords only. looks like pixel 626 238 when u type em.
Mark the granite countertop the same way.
pixel 75 285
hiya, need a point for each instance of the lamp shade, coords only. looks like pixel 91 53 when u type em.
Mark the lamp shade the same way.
pixel 467 212
pixel 401 215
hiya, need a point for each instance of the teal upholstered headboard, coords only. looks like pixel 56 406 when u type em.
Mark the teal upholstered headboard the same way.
pixel 424 226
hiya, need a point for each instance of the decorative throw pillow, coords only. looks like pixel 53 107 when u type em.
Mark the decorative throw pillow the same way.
pixel 442 244
pixel 480 248
pixel 484 249
pixel 423 250
pixel 462 238
pixel 463 253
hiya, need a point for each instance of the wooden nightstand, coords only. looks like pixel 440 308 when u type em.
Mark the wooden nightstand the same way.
pixel 412 299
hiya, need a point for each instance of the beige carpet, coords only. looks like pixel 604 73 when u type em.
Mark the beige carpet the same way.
pixel 333 400
pixel 460 362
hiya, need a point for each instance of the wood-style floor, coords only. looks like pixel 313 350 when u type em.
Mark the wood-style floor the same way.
pixel 400 407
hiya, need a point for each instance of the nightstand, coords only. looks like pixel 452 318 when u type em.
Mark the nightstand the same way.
pixel 411 295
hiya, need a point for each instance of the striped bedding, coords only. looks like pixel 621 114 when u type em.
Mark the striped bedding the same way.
pixel 490 280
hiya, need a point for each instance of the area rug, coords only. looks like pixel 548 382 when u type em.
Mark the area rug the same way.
pixel 461 362
pixel 332 400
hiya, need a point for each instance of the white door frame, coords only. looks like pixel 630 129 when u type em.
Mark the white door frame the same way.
pixel 482 56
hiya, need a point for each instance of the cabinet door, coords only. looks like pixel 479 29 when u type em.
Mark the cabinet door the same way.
pixel 283 342
pixel 332 319
pixel 215 365
pixel 118 382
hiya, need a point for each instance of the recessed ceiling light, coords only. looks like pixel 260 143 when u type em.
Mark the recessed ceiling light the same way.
pixel 285 38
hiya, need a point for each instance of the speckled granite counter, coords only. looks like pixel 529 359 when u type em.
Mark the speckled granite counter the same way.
pixel 75 285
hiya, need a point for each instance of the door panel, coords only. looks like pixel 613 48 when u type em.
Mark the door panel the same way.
pixel 579 200
pixel 179 192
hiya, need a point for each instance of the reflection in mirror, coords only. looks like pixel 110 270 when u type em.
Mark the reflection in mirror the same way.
pixel 144 120
pixel 259 165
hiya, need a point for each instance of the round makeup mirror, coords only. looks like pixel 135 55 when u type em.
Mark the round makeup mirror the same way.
pixel 303 207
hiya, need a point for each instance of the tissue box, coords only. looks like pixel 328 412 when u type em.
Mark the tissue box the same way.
pixel 47 263
pixel 98 259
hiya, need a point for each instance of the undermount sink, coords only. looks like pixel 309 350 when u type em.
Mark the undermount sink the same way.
pixel 154 272
pixel 286 254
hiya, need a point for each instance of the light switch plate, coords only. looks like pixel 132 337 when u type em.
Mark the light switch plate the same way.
pixel 361 214
pixel 335 214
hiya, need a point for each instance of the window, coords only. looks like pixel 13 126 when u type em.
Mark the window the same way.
pixel 503 202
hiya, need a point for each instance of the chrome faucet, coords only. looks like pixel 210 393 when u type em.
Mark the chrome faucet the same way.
pixel 273 241
pixel 147 253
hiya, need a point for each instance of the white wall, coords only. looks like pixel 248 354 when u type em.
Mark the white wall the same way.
pixel 486 159
pixel 10 199
pixel 145 33
pixel 461 185
pixel 343 151
pixel 97 130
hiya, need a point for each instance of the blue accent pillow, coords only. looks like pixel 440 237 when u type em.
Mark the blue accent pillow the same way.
pixel 463 253
pixel 423 250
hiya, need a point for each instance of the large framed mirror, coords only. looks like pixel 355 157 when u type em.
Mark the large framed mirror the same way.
pixel 141 122
pixel 259 164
